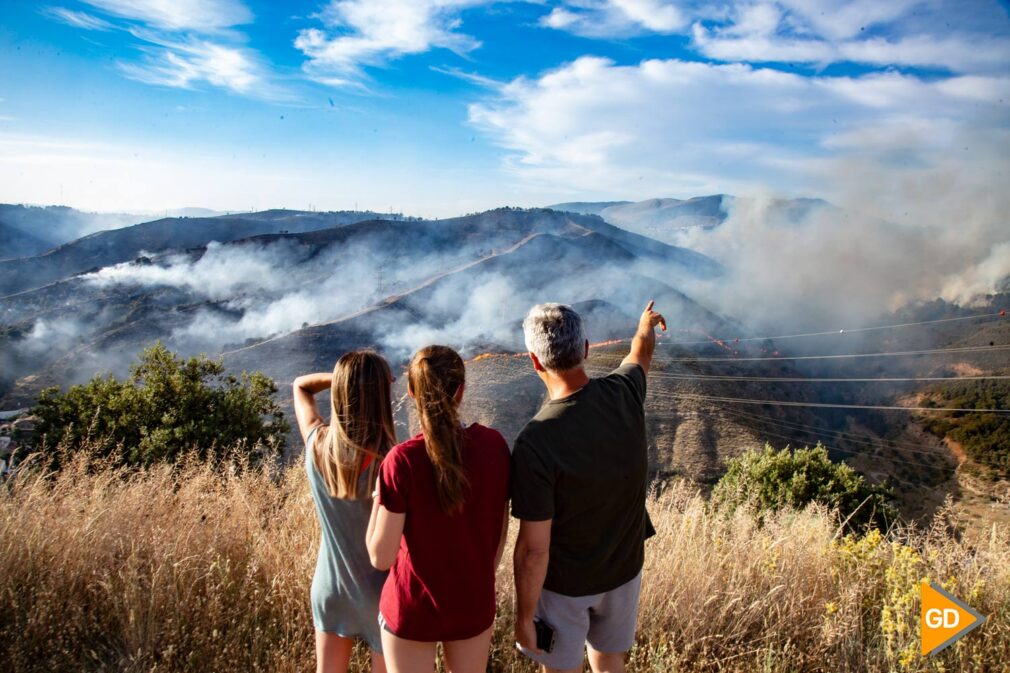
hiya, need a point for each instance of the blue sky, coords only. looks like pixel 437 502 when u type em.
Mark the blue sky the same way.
pixel 438 107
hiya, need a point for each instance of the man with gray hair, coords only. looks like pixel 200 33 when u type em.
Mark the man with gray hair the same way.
pixel 579 473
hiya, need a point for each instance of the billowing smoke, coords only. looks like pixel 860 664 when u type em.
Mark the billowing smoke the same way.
pixel 49 334
pixel 475 314
pixel 254 291
pixel 889 238
pixel 222 272
pixel 990 275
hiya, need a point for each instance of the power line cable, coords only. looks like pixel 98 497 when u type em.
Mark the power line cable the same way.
pixel 933 351
pixel 852 452
pixel 814 379
pixel 844 330
pixel 840 434
pixel 823 405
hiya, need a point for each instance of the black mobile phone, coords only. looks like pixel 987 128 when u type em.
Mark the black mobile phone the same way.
pixel 545 635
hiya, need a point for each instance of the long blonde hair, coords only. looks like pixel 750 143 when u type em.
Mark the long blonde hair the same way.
pixel 435 375
pixel 361 422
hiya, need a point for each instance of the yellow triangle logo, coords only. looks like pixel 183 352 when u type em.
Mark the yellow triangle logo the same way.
pixel 944 619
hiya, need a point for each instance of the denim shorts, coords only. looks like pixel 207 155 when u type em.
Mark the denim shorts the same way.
pixel 606 622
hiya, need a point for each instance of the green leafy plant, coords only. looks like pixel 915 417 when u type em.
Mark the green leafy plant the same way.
pixel 770 480
pixel 167 407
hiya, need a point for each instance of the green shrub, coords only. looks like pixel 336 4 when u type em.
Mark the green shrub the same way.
pixel 770 480
pixel 167 407
pixel 985 437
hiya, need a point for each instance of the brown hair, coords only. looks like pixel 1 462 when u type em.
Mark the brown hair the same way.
pixel 361 422
pixel 435 375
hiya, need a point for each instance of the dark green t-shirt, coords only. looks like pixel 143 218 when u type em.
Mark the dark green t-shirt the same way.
pixel 582 461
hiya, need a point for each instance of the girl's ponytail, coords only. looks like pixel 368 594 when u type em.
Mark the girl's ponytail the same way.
pixel 435 375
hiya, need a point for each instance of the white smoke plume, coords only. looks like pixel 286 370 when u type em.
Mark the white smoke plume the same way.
pixel 220 273
pixel 940 228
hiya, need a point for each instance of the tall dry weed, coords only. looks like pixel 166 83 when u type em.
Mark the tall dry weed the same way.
pixel 198 568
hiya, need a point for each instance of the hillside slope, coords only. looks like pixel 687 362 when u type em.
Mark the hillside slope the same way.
pixel 120 245
pixel 17 243
pixel 479 273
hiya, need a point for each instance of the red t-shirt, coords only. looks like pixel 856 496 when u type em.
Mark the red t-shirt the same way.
pixel 441 585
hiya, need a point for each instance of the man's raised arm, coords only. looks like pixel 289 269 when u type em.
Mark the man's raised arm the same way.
pixel 643 344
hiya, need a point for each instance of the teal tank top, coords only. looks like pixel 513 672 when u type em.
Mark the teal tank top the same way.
pixel 345 586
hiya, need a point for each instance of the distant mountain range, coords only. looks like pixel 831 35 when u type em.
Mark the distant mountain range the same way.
pixel 31 230
pixel 122 244
pixel 17 243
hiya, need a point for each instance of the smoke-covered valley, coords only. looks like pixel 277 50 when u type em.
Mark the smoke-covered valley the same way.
pixel 465 281
pixel 286 292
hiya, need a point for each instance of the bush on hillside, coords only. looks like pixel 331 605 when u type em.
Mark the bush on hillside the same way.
pixel 167 407
pixel 770 480
pixel 985 437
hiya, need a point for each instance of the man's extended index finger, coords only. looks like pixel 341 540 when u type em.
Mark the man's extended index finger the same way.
pixel 651 302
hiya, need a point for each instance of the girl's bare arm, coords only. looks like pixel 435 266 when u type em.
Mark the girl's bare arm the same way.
pixel 385 529
pixel 303 391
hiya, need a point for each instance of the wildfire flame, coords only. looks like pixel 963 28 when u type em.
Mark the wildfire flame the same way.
pixel 486 356
pixel 718 342
pixel 609 342
pixel 489 355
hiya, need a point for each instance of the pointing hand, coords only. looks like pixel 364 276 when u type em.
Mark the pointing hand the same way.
pixel 651 318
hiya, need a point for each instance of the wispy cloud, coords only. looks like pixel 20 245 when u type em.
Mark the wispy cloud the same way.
pixel 873 33
pixel 616 18
pixel 186 44
pixel 203 16
pixel 187 62
pixel 78 19
pixel 911 33
pixel 360 33
pixel 471 77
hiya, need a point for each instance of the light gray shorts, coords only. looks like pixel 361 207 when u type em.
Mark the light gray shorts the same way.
pixel 605 621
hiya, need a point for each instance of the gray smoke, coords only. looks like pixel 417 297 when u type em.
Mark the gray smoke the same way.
pixel 896 237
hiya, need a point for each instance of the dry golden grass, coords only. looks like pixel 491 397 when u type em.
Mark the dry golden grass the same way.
pixel 197 569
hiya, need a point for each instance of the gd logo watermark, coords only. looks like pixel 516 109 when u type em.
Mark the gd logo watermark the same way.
pixel 944 619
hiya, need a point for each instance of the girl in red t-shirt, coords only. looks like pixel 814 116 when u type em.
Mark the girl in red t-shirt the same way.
pixel 439 523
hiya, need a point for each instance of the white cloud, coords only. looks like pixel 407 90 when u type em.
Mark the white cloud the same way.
pixel 673 127
pixel 372 32
pixel 187 64
pixel 613 18
pixel 988 89
pixel 193 15
pixel 734 45
pixel 194 42
pixel 842 20
pixel 960 53
pixel 915 33
pixel 78 19
pixel 656 128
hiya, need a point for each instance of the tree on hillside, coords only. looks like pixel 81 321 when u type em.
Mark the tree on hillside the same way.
pixel 168 406
pixel 985 437
pixel 770 480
